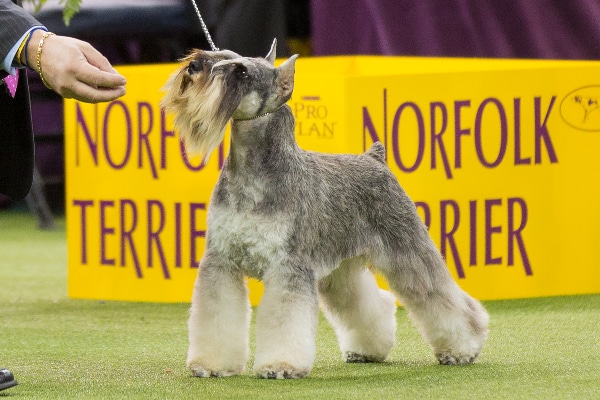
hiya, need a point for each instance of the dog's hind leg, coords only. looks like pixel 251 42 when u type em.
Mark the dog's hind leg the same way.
pixel 219 321
pixel 362 315
pixel 451 321
pixel 286 324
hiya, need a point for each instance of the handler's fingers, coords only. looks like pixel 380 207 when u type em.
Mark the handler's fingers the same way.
pixel 89 94
pixel 92 76
pixel 95 69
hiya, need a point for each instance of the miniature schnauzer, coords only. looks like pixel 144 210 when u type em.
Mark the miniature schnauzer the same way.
pixel 307 224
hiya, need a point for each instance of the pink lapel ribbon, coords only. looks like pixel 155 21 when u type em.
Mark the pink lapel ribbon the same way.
pixel 11 82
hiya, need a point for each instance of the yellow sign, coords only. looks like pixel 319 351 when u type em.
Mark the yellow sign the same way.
pixel 498 155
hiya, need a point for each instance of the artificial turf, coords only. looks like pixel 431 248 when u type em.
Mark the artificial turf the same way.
pixel 545 348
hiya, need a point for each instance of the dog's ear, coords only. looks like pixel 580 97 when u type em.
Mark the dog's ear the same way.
pixel 285 76
pixel 272 53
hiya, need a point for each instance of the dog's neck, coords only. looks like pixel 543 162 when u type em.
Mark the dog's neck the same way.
pixel 259 115
pixel 262 142
pixel 255 117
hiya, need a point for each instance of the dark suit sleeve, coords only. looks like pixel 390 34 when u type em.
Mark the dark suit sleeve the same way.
pixel 14 22
pixel 16 142
pixel 16 133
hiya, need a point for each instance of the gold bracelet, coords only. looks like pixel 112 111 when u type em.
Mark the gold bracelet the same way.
pixel 39 58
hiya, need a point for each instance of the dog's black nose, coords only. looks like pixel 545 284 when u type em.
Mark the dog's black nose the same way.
pixel 194 67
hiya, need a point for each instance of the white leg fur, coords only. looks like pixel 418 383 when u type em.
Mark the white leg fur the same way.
pixel 219 323
pixel 453 323
pixel 456 330
pixel 362 315
pixel 286 325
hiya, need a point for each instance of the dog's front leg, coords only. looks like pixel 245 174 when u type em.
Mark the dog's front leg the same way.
pixel 286 324
pixel 219 320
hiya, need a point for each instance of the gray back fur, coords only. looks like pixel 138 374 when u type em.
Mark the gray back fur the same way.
pixel 342 206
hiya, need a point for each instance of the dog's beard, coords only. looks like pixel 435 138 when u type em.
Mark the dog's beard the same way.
pixel 199 117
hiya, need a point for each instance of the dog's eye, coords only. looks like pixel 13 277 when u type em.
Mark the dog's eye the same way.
pixel 241 71
pixel 194 67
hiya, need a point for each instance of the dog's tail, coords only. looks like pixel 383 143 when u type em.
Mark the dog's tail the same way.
pixel 377 151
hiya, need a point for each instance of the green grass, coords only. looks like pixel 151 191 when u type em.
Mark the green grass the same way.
pixel 58 348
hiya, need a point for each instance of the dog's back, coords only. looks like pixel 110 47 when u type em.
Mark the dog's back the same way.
pixel 354 205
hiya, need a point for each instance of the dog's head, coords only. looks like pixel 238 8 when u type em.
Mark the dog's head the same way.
pixel 210 88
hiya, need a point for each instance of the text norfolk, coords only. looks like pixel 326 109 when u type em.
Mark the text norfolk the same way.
pixel 445 131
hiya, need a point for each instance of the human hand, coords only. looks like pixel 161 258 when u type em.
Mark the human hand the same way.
pixel 75 69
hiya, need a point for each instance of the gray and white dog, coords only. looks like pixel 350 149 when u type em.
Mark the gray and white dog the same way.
pixel 307 224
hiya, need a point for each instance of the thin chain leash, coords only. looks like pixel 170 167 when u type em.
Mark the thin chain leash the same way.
pixel 204 28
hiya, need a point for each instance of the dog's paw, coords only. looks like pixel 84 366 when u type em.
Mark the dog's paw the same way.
pixel 352 357
pixel 453 359
pixel 201 372
pixel 282 371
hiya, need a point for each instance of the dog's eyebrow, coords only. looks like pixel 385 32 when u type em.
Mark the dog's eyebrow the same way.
pixel 234 61
pixel 228 53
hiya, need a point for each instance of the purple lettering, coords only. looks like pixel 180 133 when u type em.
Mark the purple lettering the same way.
pixel 473 232
pixel 369 127
pixel 84 204
pixel 178 235
pixel 91 142
pixel 436 137
pixel 515 234
pixel 145 109
pixel 154 235
pixel 126 234
pixel 105 231
pixel 489 231
pixel 503 132
pixel 107 113
pixel 396 137
pixel 459 131
pixel 518 159
pixel 542 134
pixel 447 236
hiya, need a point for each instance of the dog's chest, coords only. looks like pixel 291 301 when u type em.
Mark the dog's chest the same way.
pixel 248 240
